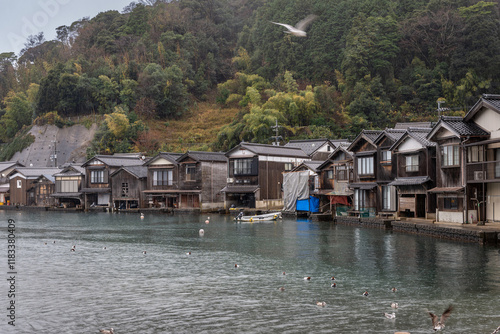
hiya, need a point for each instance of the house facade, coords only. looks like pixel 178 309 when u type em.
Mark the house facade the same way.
pixel 416 174
pixel 162 181
pixel 5 168
pixel 24 182
pixel 451 134
pixel 127 187
pixel 254 178
pixel 316 149
pixel 68 186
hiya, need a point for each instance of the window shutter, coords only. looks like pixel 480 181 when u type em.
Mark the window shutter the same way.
pixel 255 165
pixel 105 176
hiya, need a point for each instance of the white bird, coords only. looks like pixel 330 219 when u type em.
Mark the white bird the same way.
pixel 106 331
pixel 321 303
pixel 202 232
pixel 394 305
pixel 299 29
pixel 390 315
pixel 438 323
pixel 496 330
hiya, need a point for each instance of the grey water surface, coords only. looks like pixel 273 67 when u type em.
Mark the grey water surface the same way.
pixel 108 281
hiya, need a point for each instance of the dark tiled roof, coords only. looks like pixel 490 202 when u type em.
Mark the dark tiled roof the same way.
pixel 458 125
pixel 406 125
pixel 372 135
pixel 8 164
pixel 313 165
pixel 393 134
pixel 409 181
pixel 262 149
pixel 32 172
pixel 116 161
pixel 204 156
pixel 493 99
pixel 420 135
pixel 486 100
pixel 172 157
pixel 139 171
pixel 309 146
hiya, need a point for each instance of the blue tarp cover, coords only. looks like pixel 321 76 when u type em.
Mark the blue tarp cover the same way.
pixel 311 204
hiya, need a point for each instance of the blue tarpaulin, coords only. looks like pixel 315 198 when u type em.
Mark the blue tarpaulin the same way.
pixel 311 204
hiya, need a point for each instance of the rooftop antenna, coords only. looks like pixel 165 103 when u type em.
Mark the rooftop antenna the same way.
pixel 276 137
pixel 439 110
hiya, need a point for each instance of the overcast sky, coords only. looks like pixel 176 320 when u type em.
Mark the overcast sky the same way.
pixel 19 19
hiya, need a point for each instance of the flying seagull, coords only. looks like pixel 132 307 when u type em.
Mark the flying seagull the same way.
pixel 299 29
pixel 437 323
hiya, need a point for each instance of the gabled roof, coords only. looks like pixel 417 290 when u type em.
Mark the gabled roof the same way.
pixel 262 149
pixel 49 177
pixel 34 172
pixel 393 134
pixel 367 135
pixel 312 165
pixel 419 134
pixel 310 146
pixel 139 172
pixel 333 154
pixel 459 127
pixel 491 101
pixel 9 164
pixel 116 161
pixel 172 157
pixel 406 125
pixel 71 170
pixel 204 156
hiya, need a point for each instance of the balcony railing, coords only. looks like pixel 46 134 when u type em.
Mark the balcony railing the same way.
pixel 488 171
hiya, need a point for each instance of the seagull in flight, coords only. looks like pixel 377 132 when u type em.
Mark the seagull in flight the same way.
pixel 299 29
pixel 437 323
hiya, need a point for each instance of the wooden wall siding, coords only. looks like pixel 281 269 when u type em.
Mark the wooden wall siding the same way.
pixel 449 176
pixel 135 187
pixel 42 193
pixel 270 179
pixel 197 184
pixel 214 175
pixel 175 178
pixel 365 147
pixel 255 167
pixel 18 195
pixel 423 165
pixel 320 156
pixel 105 184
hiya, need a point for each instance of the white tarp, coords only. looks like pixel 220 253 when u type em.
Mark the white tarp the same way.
pixel 295 186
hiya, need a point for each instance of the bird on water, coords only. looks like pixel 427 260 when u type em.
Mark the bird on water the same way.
pixel 438 323
pixel 107 331
pixel 300 27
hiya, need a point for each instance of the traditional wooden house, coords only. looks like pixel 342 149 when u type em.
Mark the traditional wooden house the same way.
pixel 5 168
pixel 68 187
pixel 364 184
pixel 254 178
pixel 416 173
pixel 483 162
pixel 335 174
pixel 451 134
pixel 97 188
pixel 27 188
pixel 386 165
pixel 316 149
pixel 163 181
pixel 127 187
pixel 202 175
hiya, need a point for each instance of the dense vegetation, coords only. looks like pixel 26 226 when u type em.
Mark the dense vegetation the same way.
pixel 364 64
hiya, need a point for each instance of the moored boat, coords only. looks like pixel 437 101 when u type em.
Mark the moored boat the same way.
pixel 256 218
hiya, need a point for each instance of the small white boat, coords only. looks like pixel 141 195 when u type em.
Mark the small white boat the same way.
pixel 257 218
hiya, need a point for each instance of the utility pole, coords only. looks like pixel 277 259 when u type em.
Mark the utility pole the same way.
pixel 276 137
pixel 53 156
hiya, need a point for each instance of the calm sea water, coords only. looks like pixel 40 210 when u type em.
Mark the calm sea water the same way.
pixel 168 291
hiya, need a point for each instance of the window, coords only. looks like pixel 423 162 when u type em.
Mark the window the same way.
pixel 163 178
pixel 475 154
pixel 190 172
pixel 125 189
pixel 329 174
pixel 288 166
pixel 19 184
pixel 342 173
pixel 360 199
pixel 365 166
pixel 243 166
pixel 69 186
pixel 450 203
pixel 386 156
pixel 388 197
pixel 412 163
pixel 97 176
pixel 451 155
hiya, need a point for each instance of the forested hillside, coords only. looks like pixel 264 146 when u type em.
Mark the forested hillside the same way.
pixel 364 64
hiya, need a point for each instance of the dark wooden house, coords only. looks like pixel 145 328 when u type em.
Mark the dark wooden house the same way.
pixel 451 134
pixel 202 175
pixel 254 178
pixel 97 188
pixel 416 173
pixel 27 188
pixel 162 189
pixel 127 187
pixel 5 168
pixel 365 169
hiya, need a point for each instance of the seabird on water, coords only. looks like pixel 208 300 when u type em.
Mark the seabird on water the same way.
pixel 438 323
pixel 107 331
pixel 390 315
pixel 299 29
